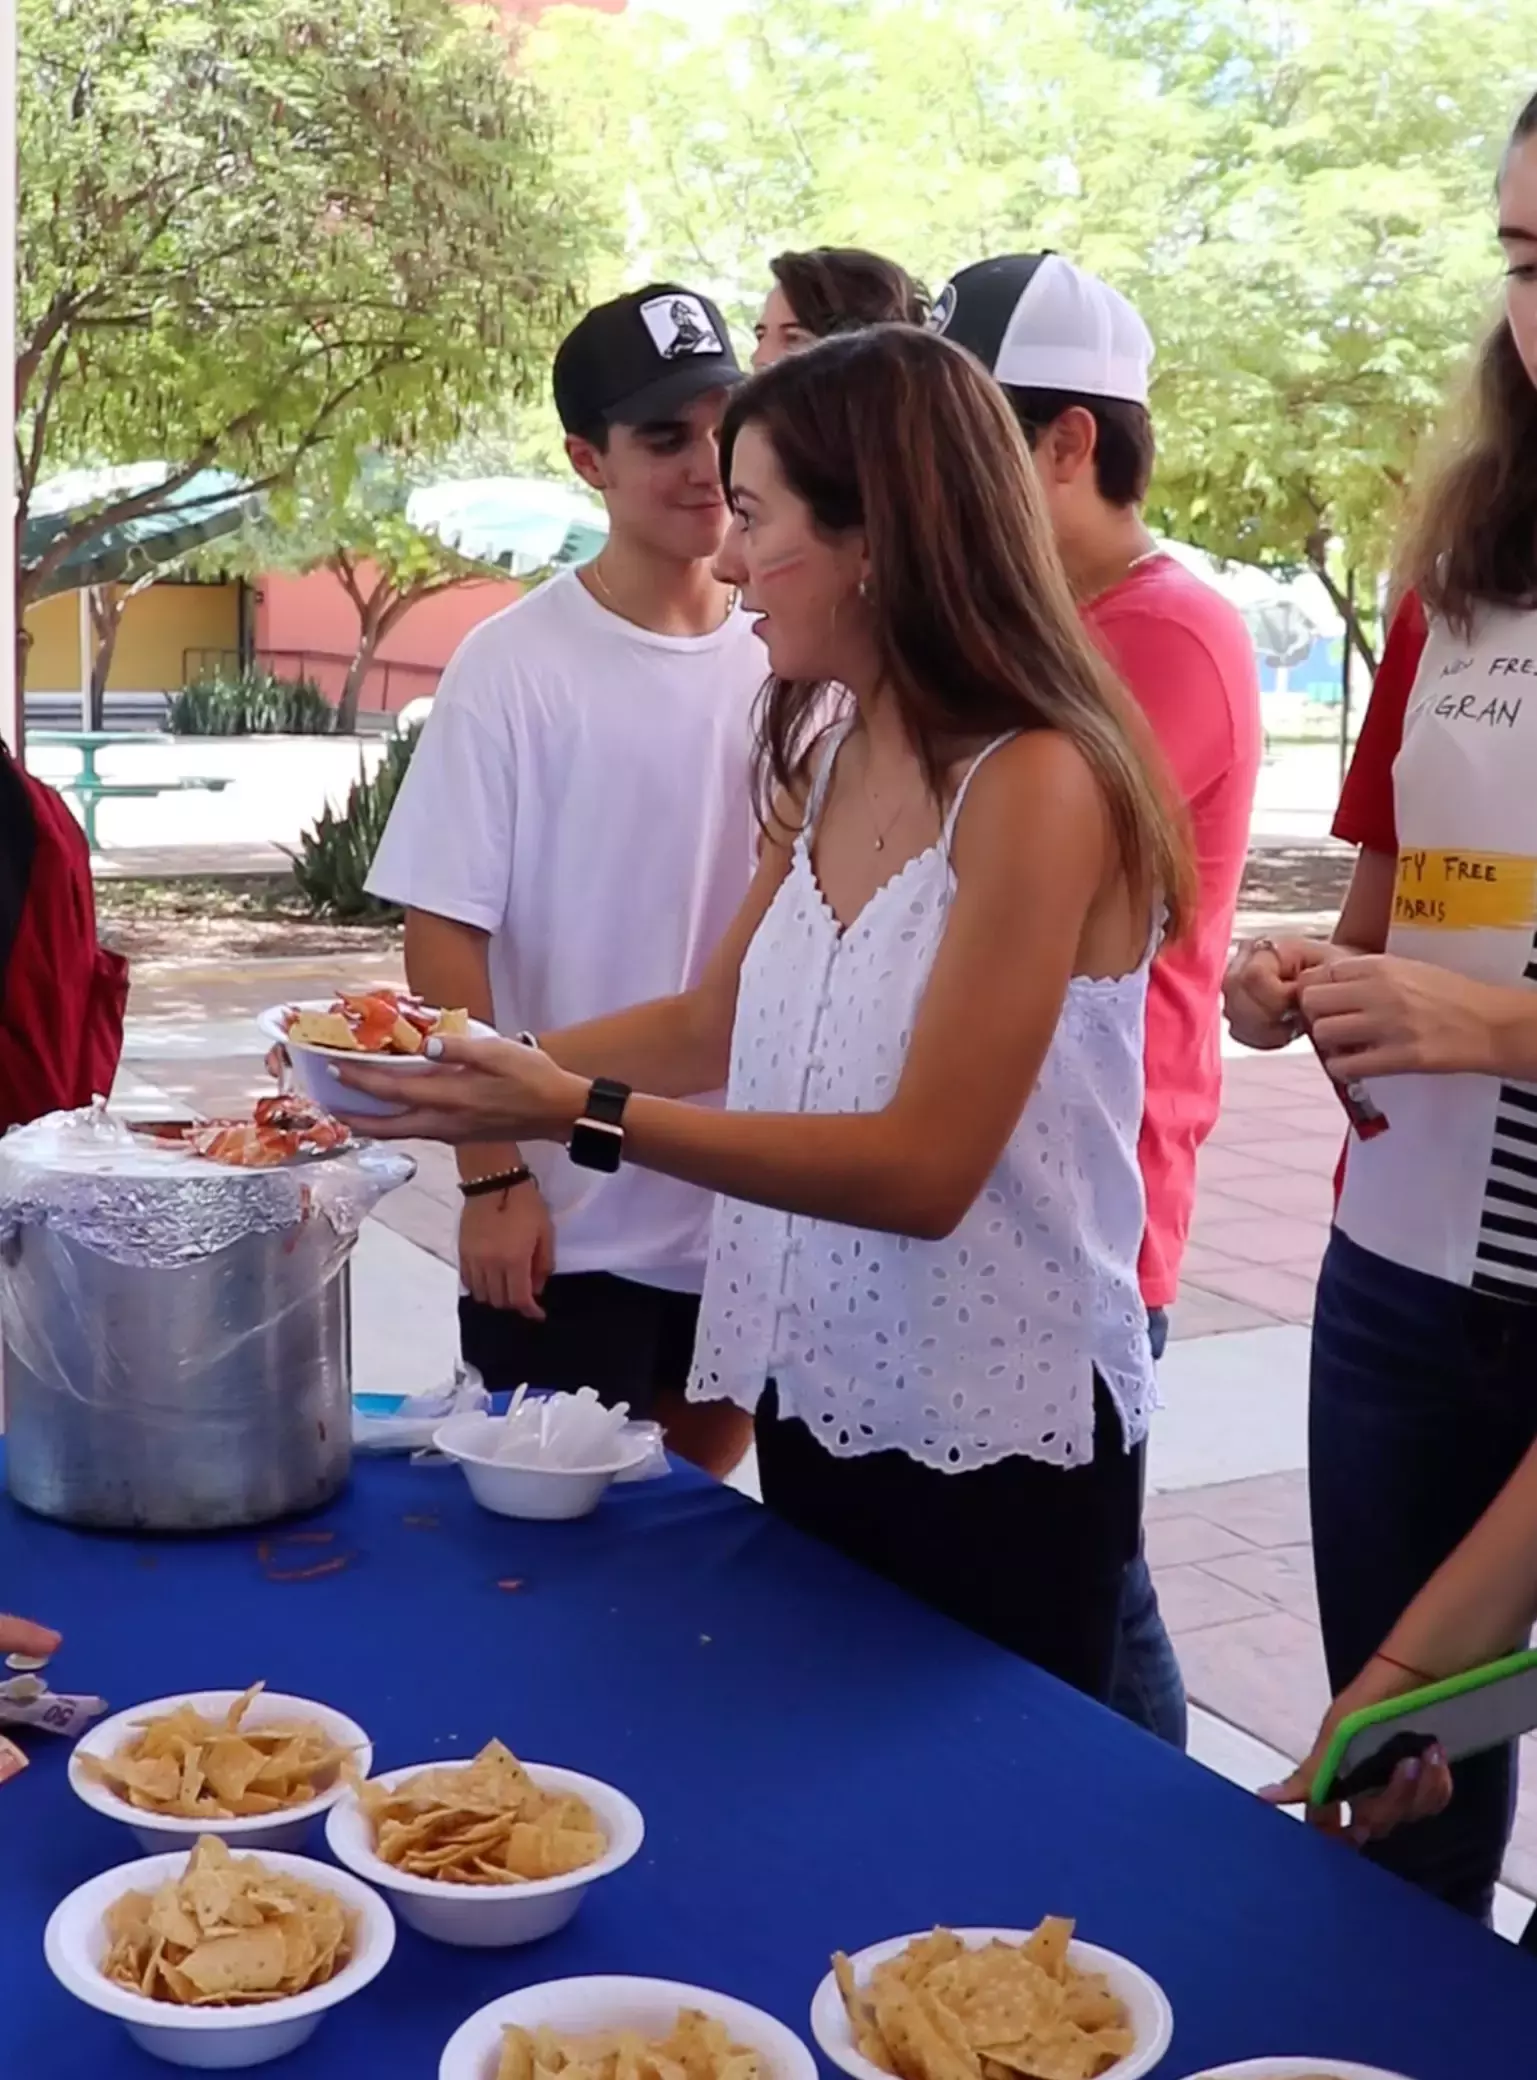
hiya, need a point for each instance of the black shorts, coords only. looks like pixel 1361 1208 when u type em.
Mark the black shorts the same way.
pixel 1029 1555
pixel 625 1340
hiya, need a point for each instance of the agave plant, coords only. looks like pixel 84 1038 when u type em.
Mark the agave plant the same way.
pixel 334 856
pixel 252 703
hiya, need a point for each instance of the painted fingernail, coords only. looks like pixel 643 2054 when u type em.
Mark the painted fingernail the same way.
pixel 434 1050
pixel 1437 1757
pixel 333 1072
pixel 1412 1770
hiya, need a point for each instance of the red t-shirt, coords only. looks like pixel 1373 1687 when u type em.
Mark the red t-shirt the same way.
pixel 1365 814
pixel 62 995
pixel 1186 656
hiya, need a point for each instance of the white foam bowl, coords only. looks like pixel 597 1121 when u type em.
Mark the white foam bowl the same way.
pixel 312 1066
pixel 156 1831
pixel 547 1493
pixel 214 2039
pixel 1147 2005
pixel 1294 2069
pixel 585 2007
pixel 488 1917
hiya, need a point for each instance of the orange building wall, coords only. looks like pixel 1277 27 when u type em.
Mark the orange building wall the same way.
pixel 309 627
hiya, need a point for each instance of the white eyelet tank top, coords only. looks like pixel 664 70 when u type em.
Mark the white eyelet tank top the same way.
pixel 982 1346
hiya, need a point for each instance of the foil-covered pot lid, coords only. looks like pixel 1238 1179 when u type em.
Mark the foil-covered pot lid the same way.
pixel 134 1200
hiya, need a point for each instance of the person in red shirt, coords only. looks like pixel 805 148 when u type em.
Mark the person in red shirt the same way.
pixel 62 995
pixel 1074 357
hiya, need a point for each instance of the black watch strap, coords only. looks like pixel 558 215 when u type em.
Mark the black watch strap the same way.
pixel 597 1139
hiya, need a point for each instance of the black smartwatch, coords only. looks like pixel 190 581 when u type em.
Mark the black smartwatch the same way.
pixel 597 1139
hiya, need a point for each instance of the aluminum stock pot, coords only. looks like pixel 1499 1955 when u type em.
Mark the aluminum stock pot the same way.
pixel 177 1340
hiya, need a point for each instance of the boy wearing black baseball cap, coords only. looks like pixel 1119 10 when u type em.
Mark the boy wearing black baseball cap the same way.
pixel 1074 359
pixel 573 836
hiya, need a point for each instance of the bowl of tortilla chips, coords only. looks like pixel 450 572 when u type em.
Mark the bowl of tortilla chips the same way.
pixel 606 2028
pixel 484 1852
pixel 991 2004
pixel 251 1766
pixel 219 1960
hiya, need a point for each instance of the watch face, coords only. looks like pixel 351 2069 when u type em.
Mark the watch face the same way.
pixel 596 1145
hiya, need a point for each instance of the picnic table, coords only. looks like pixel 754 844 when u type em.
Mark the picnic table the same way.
pixel 87 784
pixel 821 1763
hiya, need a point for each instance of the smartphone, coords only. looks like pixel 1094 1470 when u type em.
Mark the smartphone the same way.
pixel 1465 1714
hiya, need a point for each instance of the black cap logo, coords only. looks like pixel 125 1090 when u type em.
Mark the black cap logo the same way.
pixel 680 326
pixel 944 309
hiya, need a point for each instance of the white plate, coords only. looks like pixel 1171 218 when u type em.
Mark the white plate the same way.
pixel 1294 2069
pixel 583 2007
pixel 312 1066
pixel 1152 2019
pixel 488 1917
pixel 545 1493
pixel 157 1831
pixel 75 1942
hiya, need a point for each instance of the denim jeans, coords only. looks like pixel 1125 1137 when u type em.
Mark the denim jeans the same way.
pixel 1423 1403
pixel 1148 1688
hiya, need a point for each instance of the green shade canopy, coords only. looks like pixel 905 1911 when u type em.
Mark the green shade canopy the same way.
pixel 209 504
pixel 520 525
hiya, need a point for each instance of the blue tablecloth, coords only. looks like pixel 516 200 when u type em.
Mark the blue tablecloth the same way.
pixel 820 1763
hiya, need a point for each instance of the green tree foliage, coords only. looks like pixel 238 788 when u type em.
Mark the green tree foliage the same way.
pixel 1297 194
pixel 254 230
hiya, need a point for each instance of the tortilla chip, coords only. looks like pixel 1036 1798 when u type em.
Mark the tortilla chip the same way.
pixel 1002 2011
pixel 698 2048
pixel 188 1767
pixel 322 1029
pixel 226 1932
pixel 487 1824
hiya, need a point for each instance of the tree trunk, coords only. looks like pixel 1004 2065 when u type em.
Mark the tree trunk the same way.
pixel 1351 622
pixel 107 606
pixel 369 634
pixel 1344 605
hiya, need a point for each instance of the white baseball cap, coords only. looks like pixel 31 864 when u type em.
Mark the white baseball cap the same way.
pixel 1040 323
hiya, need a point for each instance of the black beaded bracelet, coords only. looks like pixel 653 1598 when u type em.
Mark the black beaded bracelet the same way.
pixel 503 1181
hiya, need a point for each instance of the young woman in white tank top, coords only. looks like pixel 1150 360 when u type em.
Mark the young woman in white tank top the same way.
pixel 923 1274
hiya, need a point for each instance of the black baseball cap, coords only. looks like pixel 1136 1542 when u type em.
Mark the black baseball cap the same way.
pixel 642 358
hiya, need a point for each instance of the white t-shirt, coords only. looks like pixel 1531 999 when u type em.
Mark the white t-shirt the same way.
pixel 1451 1188
pixel 581 792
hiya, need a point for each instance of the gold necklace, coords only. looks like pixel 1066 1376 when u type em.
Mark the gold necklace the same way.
pixel 602 584
pixel 882 830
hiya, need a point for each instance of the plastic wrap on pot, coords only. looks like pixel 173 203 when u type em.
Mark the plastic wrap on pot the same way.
pixel 138 1201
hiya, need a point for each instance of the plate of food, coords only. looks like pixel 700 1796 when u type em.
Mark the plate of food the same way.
pixel 378 1028
pixel 251 1766
pixel 991 2004
pixel 216 1960
pixel 486 1852
pixel 641 2029
pixel 282 1130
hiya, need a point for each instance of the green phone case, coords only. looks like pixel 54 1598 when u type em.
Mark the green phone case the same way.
pixel 1475 1721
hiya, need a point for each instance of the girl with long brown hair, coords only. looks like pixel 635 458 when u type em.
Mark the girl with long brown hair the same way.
pixel 830 289
pixel 1424 1377
pixel 923 1274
